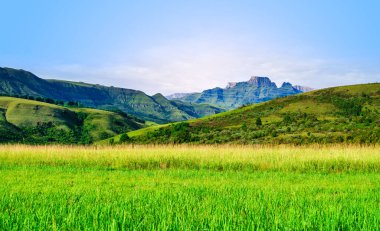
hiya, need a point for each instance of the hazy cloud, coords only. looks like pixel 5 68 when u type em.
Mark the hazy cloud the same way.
pixel 189 66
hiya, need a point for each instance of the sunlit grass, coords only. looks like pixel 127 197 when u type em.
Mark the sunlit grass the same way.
pixel 223 157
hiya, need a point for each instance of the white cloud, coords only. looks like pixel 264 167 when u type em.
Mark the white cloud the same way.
pixel 188 66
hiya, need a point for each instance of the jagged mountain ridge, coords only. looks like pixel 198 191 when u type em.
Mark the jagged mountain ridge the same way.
pixel 158 109
pixel 235 94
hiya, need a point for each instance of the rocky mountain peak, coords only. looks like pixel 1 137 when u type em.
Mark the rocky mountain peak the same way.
pixel 257 89
pixel 286 84
pixel 261 81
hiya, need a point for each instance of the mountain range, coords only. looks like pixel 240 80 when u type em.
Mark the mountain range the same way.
pixel 347 114
pixel 155 108
pixel 236 94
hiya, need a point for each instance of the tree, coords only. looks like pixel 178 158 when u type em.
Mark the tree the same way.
pixel 287 119
pixel 124 137
pixel 180 132
pixel 258 121
pixel 244 126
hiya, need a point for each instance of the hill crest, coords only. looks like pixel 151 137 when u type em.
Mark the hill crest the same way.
pixel 35 122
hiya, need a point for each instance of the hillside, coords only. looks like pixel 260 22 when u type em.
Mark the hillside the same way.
pixel 152 108
pixel 28 121
pixel 237 94
pixel 349 114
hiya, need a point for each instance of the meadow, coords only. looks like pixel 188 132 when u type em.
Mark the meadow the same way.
pixel 185 187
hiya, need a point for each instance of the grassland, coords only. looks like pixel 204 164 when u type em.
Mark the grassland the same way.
pixel 190 187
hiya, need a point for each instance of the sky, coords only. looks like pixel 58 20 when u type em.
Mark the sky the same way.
pixel 171 46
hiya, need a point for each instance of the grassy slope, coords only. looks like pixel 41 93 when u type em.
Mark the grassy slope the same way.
pixel 105 123
pixel 306 102
pixel 197 110
pixel 189 188
pixel 170 110
pixel 19 113
pixel 22 112
pixel 313 115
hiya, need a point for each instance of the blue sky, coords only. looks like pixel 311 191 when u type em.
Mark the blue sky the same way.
pixel 184 46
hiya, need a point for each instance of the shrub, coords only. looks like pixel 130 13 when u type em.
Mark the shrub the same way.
pixel 124 138
pixel 258 121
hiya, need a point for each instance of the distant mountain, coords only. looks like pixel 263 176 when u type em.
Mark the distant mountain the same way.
pixel 177 95
pixel 152 108
pixel 303 88
pixel 236 94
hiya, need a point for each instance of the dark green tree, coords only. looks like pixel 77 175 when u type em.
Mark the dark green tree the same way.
pixel 124 138
pixel 258 121
pixel 244 126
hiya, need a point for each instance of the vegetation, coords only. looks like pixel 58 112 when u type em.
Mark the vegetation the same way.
pixel 337 115
pixel 47 100
pixel 34 122
pixel 189 187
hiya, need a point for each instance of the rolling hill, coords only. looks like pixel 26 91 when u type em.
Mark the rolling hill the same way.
pixel 152 108
pixel 349 114
pixel 28 121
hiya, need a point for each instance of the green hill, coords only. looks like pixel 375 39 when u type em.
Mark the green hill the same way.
pixel 349 114
pixel 152 108
pixel 29 121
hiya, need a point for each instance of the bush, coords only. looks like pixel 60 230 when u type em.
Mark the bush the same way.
pixel 258 121
pixel 124 138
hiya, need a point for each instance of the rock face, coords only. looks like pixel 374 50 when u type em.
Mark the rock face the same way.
pixel 261 81
pixel 231 85
pixel 255 90
pixel 152 108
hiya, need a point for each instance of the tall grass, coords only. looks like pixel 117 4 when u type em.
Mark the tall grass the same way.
pixel 315 158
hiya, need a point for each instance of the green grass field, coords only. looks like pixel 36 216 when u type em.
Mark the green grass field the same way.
pixel 189 188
